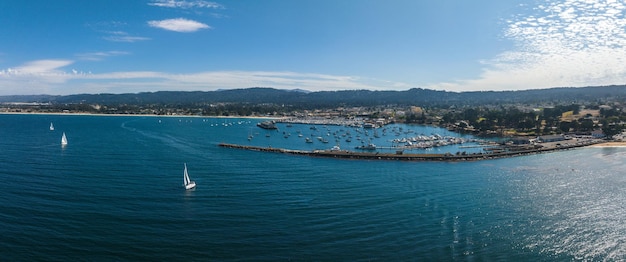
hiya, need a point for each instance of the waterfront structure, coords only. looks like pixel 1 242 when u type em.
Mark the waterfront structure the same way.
pixel 550 138
pixel 400 155
pixel 267 124
pixel 520 140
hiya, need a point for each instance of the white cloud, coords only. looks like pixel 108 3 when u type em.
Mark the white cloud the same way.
pixel 185 4
pixel 41 67
pixel 562 43
pixel 33 77
pixel 179 25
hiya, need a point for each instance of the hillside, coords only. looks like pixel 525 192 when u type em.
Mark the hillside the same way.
pixel 324 99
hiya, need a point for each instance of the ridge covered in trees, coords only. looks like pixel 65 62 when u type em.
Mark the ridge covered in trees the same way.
pixel 328 99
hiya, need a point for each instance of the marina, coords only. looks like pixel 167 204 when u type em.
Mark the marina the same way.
pixel 322 134
pixel 390 142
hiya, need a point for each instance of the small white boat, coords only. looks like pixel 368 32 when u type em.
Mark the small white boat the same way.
pixel 63 139
pixel 51 127
pixel 186 181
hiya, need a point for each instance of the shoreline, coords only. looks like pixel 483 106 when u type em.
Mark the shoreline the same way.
pixel 606 144
pixel 146 115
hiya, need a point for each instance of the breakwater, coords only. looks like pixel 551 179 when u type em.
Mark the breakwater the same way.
pixel 400 155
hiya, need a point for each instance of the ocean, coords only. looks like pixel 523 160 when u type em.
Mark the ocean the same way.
pixel 114 193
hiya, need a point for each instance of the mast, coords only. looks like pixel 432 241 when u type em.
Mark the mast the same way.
pixel 185 176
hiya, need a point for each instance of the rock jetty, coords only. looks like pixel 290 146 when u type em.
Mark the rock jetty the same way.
pixel 400 155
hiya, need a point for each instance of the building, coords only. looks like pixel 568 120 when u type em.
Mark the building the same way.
pixel 550 138
pixel 520 140
pixel 597 134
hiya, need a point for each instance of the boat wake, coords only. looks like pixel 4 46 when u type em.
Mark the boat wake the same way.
pixel 168 140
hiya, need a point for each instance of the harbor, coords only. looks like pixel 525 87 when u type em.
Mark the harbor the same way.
pixel 307 135
pixel 397 142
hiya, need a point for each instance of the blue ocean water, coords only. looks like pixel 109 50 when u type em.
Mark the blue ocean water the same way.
pixel 115 193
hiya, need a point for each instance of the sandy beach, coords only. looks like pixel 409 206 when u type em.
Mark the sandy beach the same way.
pixel 611 144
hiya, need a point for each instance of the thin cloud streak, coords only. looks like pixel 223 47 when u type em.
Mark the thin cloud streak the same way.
pixel 125 38
pixel 99 56
pixel 61 83
pixel 562 43
pixel 113 34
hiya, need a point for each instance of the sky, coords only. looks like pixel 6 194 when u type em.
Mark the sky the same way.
pixel 127 46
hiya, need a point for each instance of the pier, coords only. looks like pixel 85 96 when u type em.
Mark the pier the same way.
pixel 400 155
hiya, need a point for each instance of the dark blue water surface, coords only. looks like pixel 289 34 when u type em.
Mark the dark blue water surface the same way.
pixel 115 193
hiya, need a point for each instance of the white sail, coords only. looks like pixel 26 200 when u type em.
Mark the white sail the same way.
pixel 51 126
pixel 186 181
pixel 63 139
pixel 185 176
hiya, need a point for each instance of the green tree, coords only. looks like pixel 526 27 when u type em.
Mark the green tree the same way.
pixel 610 127
pixel 586 125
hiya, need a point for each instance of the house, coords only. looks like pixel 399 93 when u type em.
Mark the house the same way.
pixel 597 134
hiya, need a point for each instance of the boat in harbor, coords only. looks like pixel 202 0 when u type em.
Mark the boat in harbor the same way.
pixel 51 127
pixel 63 139
pixel 369 125
pixel 369 146
pixel 186 181
pixel 267 125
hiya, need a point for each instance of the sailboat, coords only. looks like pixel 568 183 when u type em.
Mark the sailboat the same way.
pixel 63 139
pixel 186 182
pixel 51 127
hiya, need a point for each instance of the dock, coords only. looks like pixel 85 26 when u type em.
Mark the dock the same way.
pixel 401 156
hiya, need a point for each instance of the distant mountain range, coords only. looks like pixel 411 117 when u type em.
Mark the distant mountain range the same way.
pixel 325 99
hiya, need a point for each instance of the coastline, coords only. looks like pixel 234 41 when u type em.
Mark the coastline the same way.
pixel 146 115
pixel 606 144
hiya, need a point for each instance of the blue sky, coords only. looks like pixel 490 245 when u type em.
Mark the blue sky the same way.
pixel 76 46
